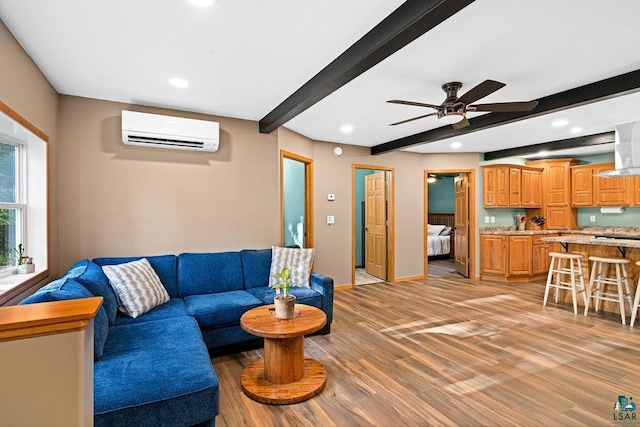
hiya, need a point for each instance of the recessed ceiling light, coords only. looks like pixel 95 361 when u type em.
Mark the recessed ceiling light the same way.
pixel 543 153
pixel 576 129
pixel 202 3
pixel 456 144
pixel 559 123
pixel 346 128
pixel 178 82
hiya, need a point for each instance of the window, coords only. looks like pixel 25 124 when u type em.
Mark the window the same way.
pixel 23 202
pixel 11 206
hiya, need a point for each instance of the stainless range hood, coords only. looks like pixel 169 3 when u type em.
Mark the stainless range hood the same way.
pixel 627 151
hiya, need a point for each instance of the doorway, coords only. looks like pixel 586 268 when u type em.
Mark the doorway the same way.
pixel 296 206
pixel 372 224
pixel 449 215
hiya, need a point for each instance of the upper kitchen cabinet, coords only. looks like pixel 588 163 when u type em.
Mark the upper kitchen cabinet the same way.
pixel 588 190
pixel 556 193
pixel 636 190
pixel 506 186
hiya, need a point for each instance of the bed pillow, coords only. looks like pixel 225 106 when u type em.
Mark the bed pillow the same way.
pixel 298 260
pixel 137 287
pixel 446 231
pixel 434 230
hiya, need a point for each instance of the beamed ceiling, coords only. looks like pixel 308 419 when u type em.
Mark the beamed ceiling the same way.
pixel 314 67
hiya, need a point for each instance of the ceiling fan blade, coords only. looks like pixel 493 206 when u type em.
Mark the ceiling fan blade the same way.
pixel 504 107
pixel 461 124
pixel 410 120
pixel 483 89
pixel 416 104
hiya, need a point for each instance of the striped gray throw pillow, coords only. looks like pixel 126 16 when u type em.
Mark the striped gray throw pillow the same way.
pixel 137 287
pixel 298 260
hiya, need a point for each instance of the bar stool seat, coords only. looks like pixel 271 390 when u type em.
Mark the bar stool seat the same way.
pixel 558 272
pixel 601 282
pixel 636 302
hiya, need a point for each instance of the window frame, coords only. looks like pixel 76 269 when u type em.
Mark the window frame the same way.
pixel 22 202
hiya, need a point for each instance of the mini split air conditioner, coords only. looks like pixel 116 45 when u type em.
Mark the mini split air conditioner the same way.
pixel 154 130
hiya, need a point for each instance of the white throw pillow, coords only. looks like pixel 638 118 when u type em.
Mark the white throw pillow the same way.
pixel 137 287
pixel 434 230
pixel 298 260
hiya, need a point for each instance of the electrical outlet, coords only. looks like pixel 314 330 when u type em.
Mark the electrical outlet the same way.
pixel 592 218
pixel 331 197
pixel 493 220
pixel 486 220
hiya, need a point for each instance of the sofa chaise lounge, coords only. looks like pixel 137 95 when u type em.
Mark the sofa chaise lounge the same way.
pixel 155 369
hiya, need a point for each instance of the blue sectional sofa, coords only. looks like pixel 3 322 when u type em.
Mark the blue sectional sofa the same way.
pixel 155 370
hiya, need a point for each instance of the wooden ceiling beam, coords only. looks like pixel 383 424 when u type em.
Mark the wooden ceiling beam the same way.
pixel 405 24
pixel 612 87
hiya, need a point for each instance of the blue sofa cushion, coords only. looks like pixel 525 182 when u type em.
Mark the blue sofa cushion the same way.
pixel 223 308
pixel 303 295
pixel 207 273
pixel 164 266
pixel 174 308
pixel 155 374
pixel 256 264
pixel 91 276
pixel 67 288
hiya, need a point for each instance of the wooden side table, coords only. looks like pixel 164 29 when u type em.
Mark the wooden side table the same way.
pixel 284 376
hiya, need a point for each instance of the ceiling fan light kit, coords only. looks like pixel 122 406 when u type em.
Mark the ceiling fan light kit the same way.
pixel 453 109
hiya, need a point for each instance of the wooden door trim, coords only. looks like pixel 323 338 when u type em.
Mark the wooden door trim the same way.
pixel 472 217
pixel 308 174
pixel 391 217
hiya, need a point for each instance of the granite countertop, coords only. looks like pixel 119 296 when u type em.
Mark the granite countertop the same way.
pixel 591 240
pixel 618 232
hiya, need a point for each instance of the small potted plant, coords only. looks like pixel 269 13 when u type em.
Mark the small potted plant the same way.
pixel 25 262
pixel 283 301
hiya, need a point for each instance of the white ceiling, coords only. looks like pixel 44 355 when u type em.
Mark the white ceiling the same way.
pixel 242 58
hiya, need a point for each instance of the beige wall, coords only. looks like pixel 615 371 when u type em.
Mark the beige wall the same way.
pixel 455 161
pixel 118 200
pixel 26 91
pixel 107 199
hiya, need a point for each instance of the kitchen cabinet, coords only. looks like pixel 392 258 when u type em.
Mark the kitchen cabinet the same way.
pixel 531 188
pixel 515 187
pixel 636 190
pixel 556 193
pixel 520 249
pixel 514 257
pixel 493 254
pixel 611 191
pixel 540 255
pixel 511 186
pixel 588 190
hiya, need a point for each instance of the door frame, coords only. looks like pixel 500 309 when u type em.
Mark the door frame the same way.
pixel 472 216
pixel 308 180
pixel 391 234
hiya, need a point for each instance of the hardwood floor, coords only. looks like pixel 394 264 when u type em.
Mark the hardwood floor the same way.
pixel 452 351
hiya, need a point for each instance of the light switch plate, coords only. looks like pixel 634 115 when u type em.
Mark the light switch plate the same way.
pixel 486 220
pixel 331 219
pixel 493 219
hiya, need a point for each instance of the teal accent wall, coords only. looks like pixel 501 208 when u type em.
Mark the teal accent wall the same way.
pixel 442 195
pixel 360 194
pixel 629 218
pixel 293 201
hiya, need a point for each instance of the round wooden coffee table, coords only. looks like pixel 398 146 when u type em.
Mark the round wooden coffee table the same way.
pixel 284 376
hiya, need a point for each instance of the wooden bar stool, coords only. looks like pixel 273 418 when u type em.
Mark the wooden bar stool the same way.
pixel 557 271
pixel 636 301
pixel 600 293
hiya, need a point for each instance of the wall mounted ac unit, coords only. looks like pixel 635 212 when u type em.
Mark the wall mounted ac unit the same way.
pixel 154 130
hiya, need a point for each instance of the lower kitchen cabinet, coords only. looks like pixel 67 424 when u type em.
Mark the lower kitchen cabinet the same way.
pixel 514 257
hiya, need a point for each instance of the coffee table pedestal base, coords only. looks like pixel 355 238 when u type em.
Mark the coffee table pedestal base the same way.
pixel 259 389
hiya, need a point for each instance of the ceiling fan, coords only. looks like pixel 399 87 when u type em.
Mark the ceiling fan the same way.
pixel 453 110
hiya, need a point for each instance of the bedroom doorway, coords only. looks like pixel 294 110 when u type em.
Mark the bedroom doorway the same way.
pixel 372 220
pixel 449 219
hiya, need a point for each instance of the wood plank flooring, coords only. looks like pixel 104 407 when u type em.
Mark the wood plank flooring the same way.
pixel 448 351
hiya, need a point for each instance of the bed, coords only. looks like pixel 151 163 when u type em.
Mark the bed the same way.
pixel 439 235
